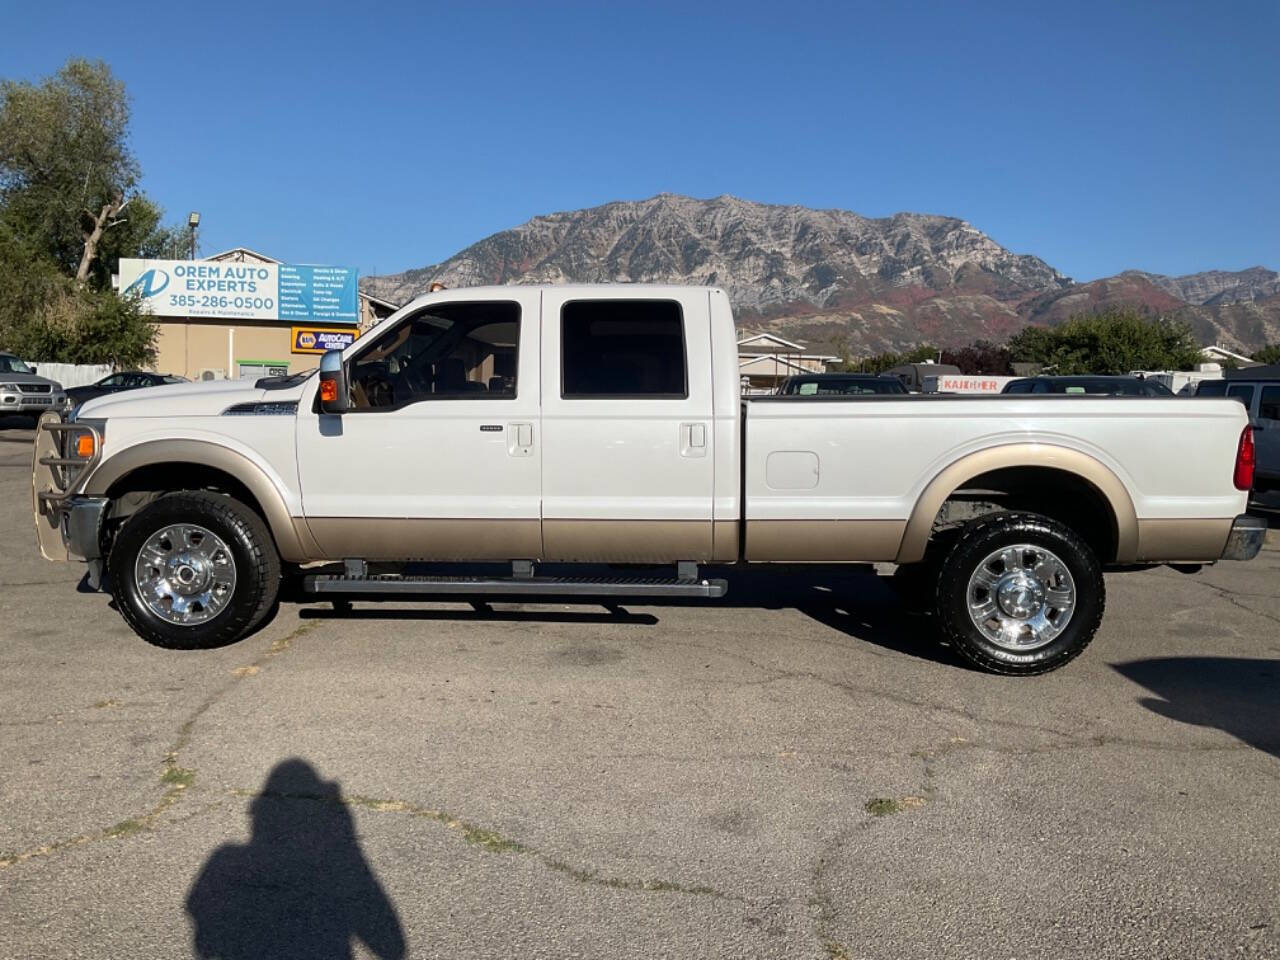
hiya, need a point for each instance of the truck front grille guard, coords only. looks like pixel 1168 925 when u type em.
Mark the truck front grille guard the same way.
pixel 57 475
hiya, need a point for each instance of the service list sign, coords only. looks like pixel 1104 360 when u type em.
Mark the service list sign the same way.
pixel 223 290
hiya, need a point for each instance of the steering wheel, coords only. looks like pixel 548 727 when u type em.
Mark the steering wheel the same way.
pixel 379 389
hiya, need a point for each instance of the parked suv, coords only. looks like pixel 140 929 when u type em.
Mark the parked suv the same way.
pixel 23 393
pixel 1258 389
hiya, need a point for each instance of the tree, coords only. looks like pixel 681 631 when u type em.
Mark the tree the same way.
pixel 1116 341
pixel 981 356
pixel 66 169
pixel 1268 354
pixel 886 361
pixel 69 209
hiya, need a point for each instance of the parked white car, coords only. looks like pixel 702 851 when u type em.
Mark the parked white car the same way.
pixel 604 424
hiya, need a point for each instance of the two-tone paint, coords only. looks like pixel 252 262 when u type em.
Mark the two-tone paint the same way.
pixel 705 478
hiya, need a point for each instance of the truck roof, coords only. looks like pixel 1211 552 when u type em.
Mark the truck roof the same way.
pixel 644 291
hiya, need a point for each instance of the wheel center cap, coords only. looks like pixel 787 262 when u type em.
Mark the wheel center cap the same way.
pixel 1020 596
pixel 187 574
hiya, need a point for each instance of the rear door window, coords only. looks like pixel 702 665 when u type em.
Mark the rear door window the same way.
pixel 1242 392
pixel 623 348
pixel 1269 404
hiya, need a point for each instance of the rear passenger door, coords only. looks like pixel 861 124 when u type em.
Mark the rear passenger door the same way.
pixel 628 466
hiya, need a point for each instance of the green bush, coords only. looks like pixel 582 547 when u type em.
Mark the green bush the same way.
pixel 1112 342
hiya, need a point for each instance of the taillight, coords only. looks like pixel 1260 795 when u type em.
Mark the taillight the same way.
pixel 1246 460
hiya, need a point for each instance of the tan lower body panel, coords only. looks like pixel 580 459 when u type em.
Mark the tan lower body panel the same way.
pixel 725 548
pixel 400 538
pixel 627 541
pixel 1196 540
pixel 821 541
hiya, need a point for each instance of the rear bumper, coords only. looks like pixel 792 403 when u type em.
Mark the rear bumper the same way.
pixel 1246 538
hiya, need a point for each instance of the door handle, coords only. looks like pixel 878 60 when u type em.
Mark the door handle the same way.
pixel 520 439
pixel 693 439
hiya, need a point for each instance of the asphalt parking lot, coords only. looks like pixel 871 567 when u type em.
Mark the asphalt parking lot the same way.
pixel 796 772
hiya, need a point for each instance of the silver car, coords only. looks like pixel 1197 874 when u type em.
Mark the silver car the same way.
pixel 24 393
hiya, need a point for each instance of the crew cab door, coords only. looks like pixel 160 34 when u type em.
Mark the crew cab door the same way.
pixel 628 465
pixel 440 455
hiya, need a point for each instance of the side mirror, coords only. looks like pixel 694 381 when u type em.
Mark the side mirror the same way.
pixel 333 383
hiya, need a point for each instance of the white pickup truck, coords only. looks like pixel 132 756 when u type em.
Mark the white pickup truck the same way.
pixel 604 425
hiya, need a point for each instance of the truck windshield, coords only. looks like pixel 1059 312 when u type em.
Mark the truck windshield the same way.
pixel 13 365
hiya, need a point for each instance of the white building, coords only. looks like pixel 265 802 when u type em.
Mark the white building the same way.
pixel 766 359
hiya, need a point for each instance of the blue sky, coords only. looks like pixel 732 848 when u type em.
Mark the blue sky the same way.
pixel 1098 136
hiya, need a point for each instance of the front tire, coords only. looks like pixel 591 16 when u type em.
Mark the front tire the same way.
pixel 1019 594
pixel 194 570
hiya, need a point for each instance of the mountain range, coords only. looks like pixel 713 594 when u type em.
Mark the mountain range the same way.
pixel 835 278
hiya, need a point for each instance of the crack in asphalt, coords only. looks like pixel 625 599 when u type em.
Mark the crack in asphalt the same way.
pixel 178 779
pixel 1231 596
pixel 494 842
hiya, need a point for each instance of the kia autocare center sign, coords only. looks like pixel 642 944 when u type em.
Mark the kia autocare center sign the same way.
pixel 226 290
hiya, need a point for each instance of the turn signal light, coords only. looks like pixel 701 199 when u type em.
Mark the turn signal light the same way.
pixel 328 391
pixel 84 446
pixel 1246 460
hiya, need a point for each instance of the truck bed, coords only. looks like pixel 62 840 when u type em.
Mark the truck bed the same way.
pixel 821 473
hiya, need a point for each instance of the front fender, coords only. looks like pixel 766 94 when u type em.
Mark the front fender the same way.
pixel 293 540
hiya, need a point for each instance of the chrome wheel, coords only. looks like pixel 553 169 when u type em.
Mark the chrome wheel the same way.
pixel 1021 597
pixel 185 574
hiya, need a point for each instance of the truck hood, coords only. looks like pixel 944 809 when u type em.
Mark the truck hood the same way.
pixel 204 398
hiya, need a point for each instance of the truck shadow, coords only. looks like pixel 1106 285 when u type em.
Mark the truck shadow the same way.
pixel 849 599
pixel 1238 695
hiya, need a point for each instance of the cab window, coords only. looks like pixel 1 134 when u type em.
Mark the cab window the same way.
pixel 453 351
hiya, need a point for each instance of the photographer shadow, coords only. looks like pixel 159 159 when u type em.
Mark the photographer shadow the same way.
pixel 300 887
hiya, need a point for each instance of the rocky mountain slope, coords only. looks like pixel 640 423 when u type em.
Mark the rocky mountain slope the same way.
pixel 834 277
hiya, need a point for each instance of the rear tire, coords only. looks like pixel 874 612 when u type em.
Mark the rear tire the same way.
pixel 191 534
pixel 1019 594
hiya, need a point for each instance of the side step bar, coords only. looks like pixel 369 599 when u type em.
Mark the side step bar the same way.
pixel 576 587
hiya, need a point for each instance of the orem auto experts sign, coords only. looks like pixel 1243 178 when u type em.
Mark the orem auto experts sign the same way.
pixel 224 290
